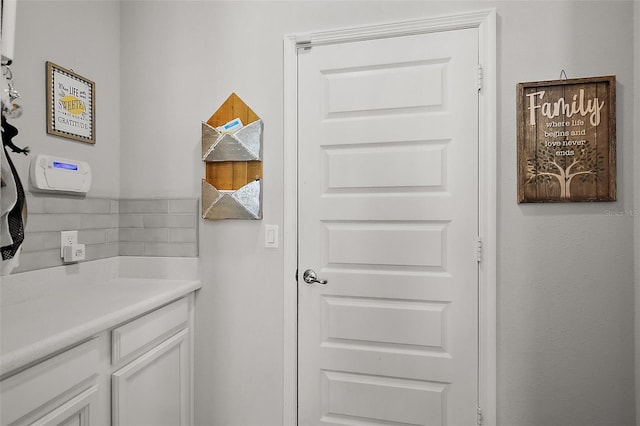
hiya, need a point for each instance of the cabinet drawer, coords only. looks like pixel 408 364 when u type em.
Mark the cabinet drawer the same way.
pixel 49 383
pixel 139 335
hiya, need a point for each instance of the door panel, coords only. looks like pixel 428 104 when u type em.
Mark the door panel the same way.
pixel 388 213
pixel 361 321
pixel 422 166
pixel 382 243
pixel 393 401
pixel 349 90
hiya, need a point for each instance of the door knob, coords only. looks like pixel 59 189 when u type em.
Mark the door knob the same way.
pixel 310 277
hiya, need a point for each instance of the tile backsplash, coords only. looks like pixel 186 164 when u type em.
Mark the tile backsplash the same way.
pixel 108 228
pixel 167 227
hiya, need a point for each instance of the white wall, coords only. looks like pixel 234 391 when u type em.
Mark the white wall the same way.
pixel 565 272
pixel 636 180
pixel 84 37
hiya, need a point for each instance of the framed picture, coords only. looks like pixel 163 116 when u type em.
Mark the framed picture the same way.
pixel 71 110
pixel 567 140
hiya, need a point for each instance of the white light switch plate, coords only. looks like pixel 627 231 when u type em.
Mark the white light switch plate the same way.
pixel 271 236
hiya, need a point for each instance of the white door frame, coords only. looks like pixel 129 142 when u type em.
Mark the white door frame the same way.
pixel 485 22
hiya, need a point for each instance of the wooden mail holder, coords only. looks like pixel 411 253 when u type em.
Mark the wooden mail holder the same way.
pixel 232 187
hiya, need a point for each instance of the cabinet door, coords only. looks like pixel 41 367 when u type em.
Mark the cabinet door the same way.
pixel 153 390
pixel 79 411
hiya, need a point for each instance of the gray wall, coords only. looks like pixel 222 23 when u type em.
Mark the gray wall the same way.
pixel 566 279
pixel 565 272
pixel 85 37
pixel 636 138
pixel 82 36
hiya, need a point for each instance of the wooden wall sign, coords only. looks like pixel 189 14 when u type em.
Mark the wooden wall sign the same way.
pixel 232 188
pixel 567 140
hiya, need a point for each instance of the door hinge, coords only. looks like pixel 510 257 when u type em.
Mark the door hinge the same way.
pixel 480 419
pixel 479 77
pixel 296 275
pixel 479 249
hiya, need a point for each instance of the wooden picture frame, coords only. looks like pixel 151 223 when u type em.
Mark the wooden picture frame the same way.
pixel 567 140
pixel 71 109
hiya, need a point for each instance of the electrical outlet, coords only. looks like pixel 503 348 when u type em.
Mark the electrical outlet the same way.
pixel 66 239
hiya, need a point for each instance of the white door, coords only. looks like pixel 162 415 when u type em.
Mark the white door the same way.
pixel 388 215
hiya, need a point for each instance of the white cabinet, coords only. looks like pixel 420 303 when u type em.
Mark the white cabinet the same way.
pixel 62 390
pixel 154 388
pixel 146 361
pixel 79 411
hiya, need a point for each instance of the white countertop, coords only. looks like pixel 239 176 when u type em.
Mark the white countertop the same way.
pixel 44 323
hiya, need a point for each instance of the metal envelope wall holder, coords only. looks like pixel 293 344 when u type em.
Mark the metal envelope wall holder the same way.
pixel 243 145
pixel 245 203
pixel 232 188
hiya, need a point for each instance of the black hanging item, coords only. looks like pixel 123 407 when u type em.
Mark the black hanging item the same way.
pixel 16 217
pixel 8 133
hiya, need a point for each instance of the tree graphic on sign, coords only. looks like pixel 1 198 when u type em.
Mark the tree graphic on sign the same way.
pixel 546 167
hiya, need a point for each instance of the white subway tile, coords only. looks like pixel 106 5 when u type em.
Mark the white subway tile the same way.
pixel 35 204
pixel 144 206
pixel 109 227
pixel 144 235
pixel 53 222
pixel 92 236
pixel 67 204
pixel 113 235
pixel 169 221
pixel 182 235
pixel 30 261
pixel 131 249
pixel 95 221
pixel 39 241
pixel 131 221
pixel 101 251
